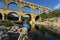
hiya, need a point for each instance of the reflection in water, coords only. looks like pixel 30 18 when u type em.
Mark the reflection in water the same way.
pixel 49 38
pixel 41 34
pixel 28 26
pixel 35 34
pixel 13 36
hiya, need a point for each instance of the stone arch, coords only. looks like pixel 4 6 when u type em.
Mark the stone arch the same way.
pixel 26 21
pixel 26 16
pixel 43 11
pixel 37 17
pixel 1 16
pixel 36 11
pixel 13 6
pixel 1 4
pixel 26 9
pixel 12 16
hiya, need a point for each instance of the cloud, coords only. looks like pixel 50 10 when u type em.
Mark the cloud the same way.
pixel 57 6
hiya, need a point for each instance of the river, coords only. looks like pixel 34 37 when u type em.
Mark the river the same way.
pixel 43 35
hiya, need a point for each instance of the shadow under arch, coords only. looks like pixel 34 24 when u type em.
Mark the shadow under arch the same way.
pixel 36 27
pixel 1 16
pixel 37 17
pixel 26 9
pixel 13 6
pixel 12 16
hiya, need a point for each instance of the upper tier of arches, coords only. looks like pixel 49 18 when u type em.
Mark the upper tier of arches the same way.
pixel 27 8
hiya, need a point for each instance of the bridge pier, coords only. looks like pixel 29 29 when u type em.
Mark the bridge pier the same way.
pixel 2 16
pixel 20 18
pixel 32 22
pixel 40 11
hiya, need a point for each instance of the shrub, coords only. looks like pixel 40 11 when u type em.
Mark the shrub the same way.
pixel 6 23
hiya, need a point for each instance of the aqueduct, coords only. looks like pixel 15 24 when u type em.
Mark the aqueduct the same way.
pixel 21 3
pixel 4 11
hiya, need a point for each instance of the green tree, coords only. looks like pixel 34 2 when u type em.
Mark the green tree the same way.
pixel 43 16
pixel 55 13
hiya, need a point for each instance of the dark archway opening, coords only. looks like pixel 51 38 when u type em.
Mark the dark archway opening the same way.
pixel 12 16
pixel 5 16
pixel 37 17
pixel 0 16
pixel 36 27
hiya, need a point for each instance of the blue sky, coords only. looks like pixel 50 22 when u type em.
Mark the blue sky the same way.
pixel 54 4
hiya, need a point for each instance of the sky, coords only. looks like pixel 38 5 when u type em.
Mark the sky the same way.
pixel 54 4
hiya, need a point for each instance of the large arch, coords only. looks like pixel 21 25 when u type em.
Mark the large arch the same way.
pixel 0 16
pixel 13 6
pixel 26 17
pixel 36 11
pixel 26 21
pixel 1 4
pixel 26 9
pixel 12 16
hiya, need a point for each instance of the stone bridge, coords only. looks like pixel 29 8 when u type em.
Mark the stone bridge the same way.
pixel 4 12
pixel 21 3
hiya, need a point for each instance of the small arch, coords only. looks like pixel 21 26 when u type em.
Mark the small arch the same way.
pixel 26 18
pixel 43 11
pixel 1 4
pixel 0 16
pixel 13 6
pixel 26 9
pixel 12 16
pixel 36 11
pixel 37 17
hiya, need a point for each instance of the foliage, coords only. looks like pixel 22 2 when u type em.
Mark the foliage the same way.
pixel 55 13
pixel 6 23
pixel 26 19
pixel 43 16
